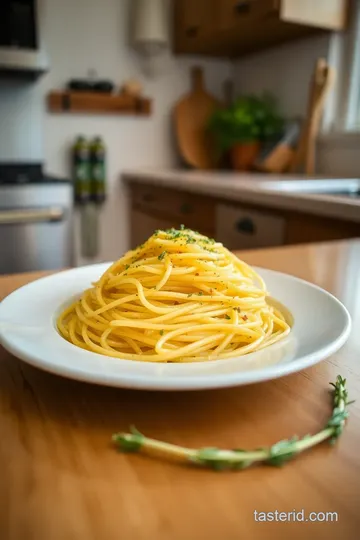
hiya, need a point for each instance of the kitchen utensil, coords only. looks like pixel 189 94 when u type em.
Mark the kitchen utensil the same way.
pixel 191 115
pixel 322 80
pixel 278 156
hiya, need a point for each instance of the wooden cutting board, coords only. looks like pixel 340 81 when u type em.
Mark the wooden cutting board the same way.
pixel 191 116
pixel 322 80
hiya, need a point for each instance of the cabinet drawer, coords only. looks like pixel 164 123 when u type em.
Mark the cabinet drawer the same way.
pixel 242 13
pixel 239 228
pixel 194 211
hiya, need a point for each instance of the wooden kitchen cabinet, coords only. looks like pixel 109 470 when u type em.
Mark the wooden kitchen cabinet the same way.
pixel 302 228
pixel 162 208
pixel 194 22
pixel 237 15
pixel 236 27
pixel 238 225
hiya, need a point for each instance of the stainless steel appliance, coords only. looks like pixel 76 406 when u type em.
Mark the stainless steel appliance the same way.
pixel 21 48
pixel 36 227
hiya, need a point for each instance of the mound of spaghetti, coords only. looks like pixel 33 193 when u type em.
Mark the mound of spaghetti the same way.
pixel 179 297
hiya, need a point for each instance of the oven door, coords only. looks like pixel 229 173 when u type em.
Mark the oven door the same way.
pixel 33 236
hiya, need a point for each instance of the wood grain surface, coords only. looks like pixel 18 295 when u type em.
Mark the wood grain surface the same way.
pixel 60 478
pixel 97 103
pixel 191 116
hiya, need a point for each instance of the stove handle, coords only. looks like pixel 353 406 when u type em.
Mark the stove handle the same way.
pixel 23 216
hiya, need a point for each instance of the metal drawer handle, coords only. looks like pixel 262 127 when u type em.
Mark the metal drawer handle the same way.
pixel 31 215
pixel 246 226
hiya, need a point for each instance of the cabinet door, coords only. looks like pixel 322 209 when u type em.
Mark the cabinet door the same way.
pixel 327 14
pixel 242 14
pixel 194 211
pixel 194 20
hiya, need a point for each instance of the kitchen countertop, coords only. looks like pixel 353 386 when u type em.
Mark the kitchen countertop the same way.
pixel 61 478
pixel 252 189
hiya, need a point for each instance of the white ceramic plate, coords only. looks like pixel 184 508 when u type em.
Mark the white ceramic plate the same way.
pixel 28 330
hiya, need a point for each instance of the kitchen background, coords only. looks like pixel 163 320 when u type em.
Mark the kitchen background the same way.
pixel 85 35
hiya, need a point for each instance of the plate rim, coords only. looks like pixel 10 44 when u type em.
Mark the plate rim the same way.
pixel 182 383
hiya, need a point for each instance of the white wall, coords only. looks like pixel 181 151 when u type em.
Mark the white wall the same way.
pixel 21 136
pixel 285 71
pixel 338 155
pixel 92 34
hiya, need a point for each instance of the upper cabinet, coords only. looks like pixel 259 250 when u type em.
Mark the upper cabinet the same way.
pixel 194 21
pixel 236 27
pixel 232 15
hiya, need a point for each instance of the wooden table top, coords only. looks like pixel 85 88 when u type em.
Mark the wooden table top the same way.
pixel 61 479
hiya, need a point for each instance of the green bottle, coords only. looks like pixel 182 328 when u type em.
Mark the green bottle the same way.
pixel 98 173
pixel 81 166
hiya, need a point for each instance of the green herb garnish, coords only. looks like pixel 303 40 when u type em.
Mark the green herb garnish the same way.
pixel 190 240
pixel 161 332
pixel 227 317
pixel 238 459
pixel 133 443
pixel 162 255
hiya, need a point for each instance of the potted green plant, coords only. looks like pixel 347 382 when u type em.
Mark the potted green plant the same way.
pixel 242 127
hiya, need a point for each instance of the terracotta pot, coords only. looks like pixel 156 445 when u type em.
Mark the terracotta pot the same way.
pixel 243 155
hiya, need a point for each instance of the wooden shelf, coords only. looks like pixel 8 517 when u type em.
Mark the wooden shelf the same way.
pixel 97 103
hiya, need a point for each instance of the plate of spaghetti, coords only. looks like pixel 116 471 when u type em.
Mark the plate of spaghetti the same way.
pixel 180 312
